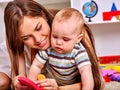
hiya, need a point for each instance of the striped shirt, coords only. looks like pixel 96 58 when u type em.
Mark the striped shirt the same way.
pixel 64 67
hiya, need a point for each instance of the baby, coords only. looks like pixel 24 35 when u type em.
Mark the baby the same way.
pixel 66 60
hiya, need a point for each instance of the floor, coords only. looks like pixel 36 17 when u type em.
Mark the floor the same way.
pixel 112 86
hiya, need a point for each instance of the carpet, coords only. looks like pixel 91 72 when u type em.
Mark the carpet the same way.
pixel 113 85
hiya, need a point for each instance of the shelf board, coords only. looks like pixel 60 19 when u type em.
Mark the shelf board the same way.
pixel 103 22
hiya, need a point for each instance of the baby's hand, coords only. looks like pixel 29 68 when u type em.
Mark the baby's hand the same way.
pixel 40 77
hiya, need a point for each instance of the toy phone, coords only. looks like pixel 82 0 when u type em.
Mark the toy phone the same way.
pixel 27 82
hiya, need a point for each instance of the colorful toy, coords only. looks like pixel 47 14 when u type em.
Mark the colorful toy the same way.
pixel 41 76
pixel 110 72
pixel 27 82
pixel 115 77
pixel 111 67
pixel 118 17
pixel 107 73
pixel 111 15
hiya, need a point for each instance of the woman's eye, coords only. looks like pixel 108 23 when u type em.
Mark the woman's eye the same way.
pixel 26 38
pixel 39 28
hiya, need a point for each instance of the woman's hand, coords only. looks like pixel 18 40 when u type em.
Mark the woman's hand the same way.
pixel 48 84
pixel 18 86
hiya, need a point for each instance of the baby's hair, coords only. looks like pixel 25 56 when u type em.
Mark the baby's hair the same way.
pixel 67 13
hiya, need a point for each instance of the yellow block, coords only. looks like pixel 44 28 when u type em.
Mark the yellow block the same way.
pixel 41 76
pixel 110 67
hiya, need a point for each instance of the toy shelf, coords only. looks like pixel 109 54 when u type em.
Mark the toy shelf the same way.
pixel 106 35
pixel 103 22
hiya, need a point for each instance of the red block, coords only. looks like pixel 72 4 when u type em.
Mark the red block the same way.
pixel 107 78
pixel 109 15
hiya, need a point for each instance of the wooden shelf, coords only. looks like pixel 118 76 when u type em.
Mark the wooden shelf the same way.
pixel 103 22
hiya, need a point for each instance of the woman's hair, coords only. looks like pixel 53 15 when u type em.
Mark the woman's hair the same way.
pixel 88 42
pixel 13 18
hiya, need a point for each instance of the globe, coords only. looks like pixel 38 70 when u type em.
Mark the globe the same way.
pixel 90 9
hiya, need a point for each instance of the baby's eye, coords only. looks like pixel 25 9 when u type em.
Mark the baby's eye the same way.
pixel 54 36
pixel 66 39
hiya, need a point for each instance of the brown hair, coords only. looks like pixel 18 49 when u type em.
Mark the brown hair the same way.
pixel 13 16
pixel 87 41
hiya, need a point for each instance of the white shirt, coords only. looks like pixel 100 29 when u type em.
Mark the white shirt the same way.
pixel 5 64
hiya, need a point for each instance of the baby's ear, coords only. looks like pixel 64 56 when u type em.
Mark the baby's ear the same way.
pixel 79 38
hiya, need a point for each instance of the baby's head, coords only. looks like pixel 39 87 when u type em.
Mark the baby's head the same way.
pixel 66 29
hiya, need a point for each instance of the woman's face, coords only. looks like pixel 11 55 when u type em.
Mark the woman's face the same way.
pixel 35 32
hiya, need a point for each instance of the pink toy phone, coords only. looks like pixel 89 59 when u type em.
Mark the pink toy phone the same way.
pixel 27 82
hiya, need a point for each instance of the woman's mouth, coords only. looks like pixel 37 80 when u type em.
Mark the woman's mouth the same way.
pixel 43 43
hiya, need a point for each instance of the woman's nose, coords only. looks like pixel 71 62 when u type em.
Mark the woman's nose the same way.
pixel 37 38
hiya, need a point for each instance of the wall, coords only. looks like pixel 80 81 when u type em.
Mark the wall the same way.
pixel 107 38
pixel 2 27
pixel 55 4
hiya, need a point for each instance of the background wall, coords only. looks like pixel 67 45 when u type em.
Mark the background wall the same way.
pixel 2 27
pixel 57 4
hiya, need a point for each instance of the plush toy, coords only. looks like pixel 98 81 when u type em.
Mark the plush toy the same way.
pixel 107 73
pixel 110 72
pixel 115 77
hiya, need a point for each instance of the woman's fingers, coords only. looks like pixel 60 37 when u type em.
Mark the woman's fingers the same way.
pixel 19 86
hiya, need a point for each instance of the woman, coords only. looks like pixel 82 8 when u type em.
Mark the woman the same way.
pixel 24 20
